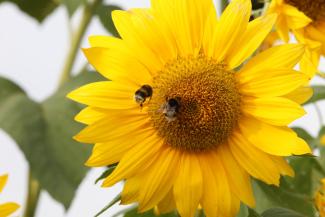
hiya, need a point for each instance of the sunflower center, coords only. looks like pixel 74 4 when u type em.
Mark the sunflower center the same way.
pixel 314 9
pixel 195 103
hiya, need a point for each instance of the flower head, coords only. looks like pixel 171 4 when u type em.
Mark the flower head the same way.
pixel 306 19
pixel 6 209
pixel 186 122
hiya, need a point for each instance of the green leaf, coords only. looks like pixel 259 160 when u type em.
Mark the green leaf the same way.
pixel 72 5
pixel 134 213
pixel 281 212
pixel 8 89
pixel 243 211
pixel 319 94
pixel 44 133
pixel 38 9
pixel 270 196
pixel 253 213
pixel 106 173
pixel 104 13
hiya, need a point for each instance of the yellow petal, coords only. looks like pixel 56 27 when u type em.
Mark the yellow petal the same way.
pixel 280 141
pixel 111 152
pixel 105 94
pixel 134 37
pixel 3 181
pixel 237 176
pixel 115 64
pixel 136 160
pixel 210 193
pixel 112 127
pixel 208 42
pixel 131 189
pixel 250 158
pixel 251 40
pixel 7 209
pixel 282 28
pixel 231 26
pixel 279 57
pixel 166 205
pixel 300 95
pixel 159 179
pixel 186 20
pixel 149 30
pixel 295 19
pixel 188 185
pixel 271 82
pixel 276 110
pixel 103 41
pixel 283 166
pixel 224 197
pixel 90 115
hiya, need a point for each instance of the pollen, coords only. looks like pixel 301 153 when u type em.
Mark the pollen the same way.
pixel 209 103
pixel 314 9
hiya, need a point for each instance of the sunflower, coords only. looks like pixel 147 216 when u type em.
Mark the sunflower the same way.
pixel 187 122
pixel 7 208
pixel 306 18
pixel 320 199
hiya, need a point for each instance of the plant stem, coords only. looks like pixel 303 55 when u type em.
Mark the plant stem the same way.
pixel 87 14
pixel 34 191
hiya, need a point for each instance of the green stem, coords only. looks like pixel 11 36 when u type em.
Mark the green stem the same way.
pixel 77 37
pixel 34 191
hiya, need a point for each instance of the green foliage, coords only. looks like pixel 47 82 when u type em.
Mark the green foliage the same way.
pixel 104 13
pixel 253 213
pixel 271 196
pixel 319 94
pixel 72 5
pixel 243 211
pixel 38 9
pixel 281 212
pixel 44 133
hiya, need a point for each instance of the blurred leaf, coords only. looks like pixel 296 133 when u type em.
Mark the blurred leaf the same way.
pixel 271 196
pixel 281 212
pixel 72 5
pixel 44 133
pixel 253 213
pixel 319 94
pixel 8 89
pixel 104 13
pixel 134 213
pixel 106 173
pixel 243 212
pixel 109 205
pixel 303 181
pixel 38 9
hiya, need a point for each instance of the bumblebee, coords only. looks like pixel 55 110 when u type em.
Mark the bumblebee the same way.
pixel 142 94
pixel 171 108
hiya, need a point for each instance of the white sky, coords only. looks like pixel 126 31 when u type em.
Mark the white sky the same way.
pixel 32 55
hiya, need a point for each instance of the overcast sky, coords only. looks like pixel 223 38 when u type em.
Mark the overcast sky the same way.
pixel 32 55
